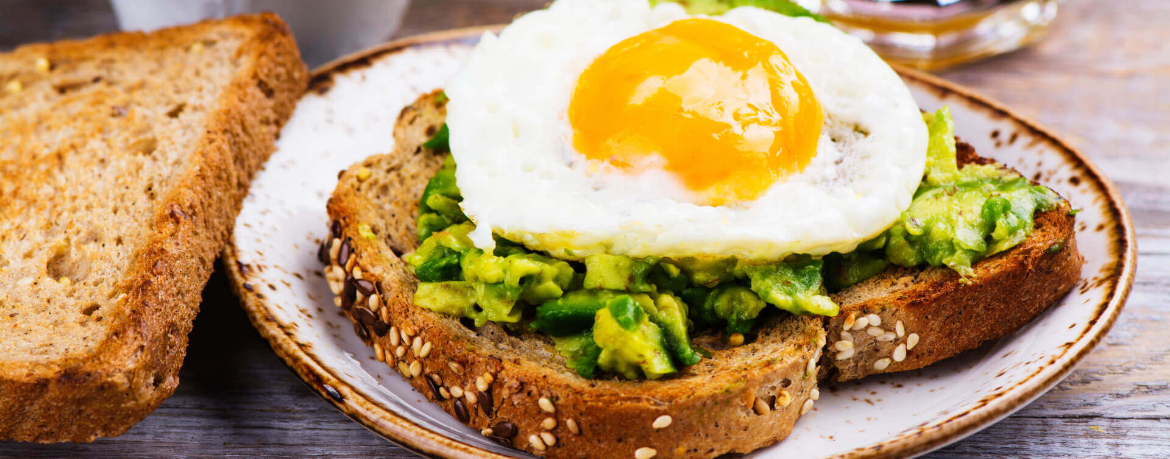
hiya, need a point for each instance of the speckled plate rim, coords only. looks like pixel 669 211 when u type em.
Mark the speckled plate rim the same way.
pixel 930 436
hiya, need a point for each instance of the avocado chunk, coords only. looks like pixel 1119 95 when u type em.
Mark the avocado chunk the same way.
pixel 706 272
pixel 572 313
pixel 439 206
pixel 616 272
pixel 439 256
pixel 670 314
pixel 715 7
pixel 731 304
pixel 580 352
pixel 794 286
pixel 668 277
pixel 844 270
pixel 456 298
pixel 441 141
pixel 631 345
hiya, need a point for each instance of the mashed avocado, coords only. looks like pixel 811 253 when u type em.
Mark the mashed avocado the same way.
pixel 634 317
pixel 715 7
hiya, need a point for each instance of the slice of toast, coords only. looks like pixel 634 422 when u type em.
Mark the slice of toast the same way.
pixel 513 386
pixel 926 315
pixel 124 160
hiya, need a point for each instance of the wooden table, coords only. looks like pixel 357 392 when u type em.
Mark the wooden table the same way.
pixel 1102 78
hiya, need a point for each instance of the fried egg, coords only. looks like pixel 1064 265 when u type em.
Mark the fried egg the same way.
pixel 599 126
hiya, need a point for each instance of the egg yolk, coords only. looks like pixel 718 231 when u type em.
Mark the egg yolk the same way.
pixel 721 109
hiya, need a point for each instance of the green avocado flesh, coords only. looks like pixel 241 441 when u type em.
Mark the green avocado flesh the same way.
pixel 634 318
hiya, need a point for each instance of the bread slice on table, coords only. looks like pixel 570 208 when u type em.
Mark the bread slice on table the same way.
pixel 908 318
pixel 514 387
pixel 124 160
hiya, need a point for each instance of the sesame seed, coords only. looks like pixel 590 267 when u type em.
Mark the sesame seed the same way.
pixel 334 248
pixel 900 353
pixel 881 364
pixel 409 331
pixel 846 336
pixel 481 384
pixel 860 324
pixel 436 378
pixel 337 301
pixel 887 336
pixel 24 282
pixel 911 341
pixel 426 350
pixel 456 368
pixel 487 432
pixel 488 378
pixel 812 366
pixel 761 406
pixel 843 345
pixel 471 397
pixel 645 453
pixel 815 394
pixel 444 393
pixel 662 422
pixel 415 368
pixel 806 407
pixel 363 174
pixel 399 352
pixel 357 272
pixel 783 399
pixel 456 391
pixel 846 354
pixel 546 405
pixel 335 287
pixel 548 423
pixel 874 320
pixel 404 336
pixel 874 331
pixel 379 353
pixel 14 87
pixel 548 438
pixel 536 442
pixel 197 47
pixel 849 320
pixel 416 345
pixel 403 368
pixel 394 336
pixel 900 329
pixel 375 302
pixel 736 339
pixel 43 65
pixel 572 425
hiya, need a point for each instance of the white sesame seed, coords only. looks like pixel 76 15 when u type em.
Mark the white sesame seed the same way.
pixel 572 425
pixel 815 394
pixel 811 367
pixel 843 345
pixel 860 324
pixel 456 391
pixel 404 336
pixel 736 339
pixel 456 368
pixel 375 302
pixel 436 378
pixel 415 368
pixel 334 247
pixel 849 320
pixel 911 341
pixel 351 262
pixel 548 438
pixel 881 364
pixel 443 393
pixel 379 353
pixel 645 453
pixel 887 336
pixel 357 272
pixel 481 384
pixel 471 397
pixel 399 351
pixel 403 368
pixel 394 336
pixel 487 432
pixel 846 336
pixel 546 405
pixel 761 406
pixel 416 345
pixel 662 422
pixel 536 442
pixel 488 378
pixel 426 350
pixel 900 329
pixel 900 353
pixel 846 354
pixel 874 320
pixel 874 331
pixel 548 423
pixel 335 287
pixel 337 301
pixel 806 407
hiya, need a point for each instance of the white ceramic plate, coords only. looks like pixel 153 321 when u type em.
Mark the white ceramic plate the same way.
pixel 349 113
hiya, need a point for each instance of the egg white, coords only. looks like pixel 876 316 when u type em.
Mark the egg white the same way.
pixel 521 177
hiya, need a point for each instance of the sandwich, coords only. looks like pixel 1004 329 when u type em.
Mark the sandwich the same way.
pixel 124 160
pixel 651 229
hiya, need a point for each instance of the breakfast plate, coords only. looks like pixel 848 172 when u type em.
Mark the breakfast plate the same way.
pixel 349 113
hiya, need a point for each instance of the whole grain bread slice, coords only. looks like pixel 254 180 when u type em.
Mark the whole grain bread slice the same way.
pixel 908 318
pixel 514 386
pixel 124 160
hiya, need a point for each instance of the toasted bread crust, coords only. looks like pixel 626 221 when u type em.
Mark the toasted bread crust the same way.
pixel 940 315
pixel 128 374
pixel 494 380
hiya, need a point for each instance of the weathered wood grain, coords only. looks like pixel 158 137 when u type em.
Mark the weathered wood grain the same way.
pixel 1101 79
